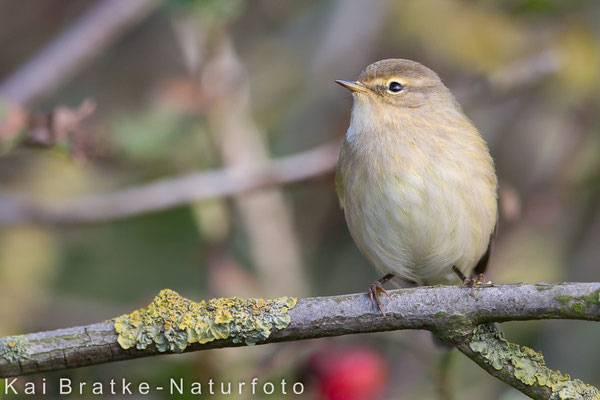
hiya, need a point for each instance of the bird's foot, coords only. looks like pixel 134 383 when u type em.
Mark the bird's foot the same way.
pixel 376 289
pixel 472 282
pixel 469 282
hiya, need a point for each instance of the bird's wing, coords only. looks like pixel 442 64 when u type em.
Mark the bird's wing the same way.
pixel 339 187
pixel 485 258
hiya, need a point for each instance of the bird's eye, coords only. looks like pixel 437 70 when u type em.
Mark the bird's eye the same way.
pixel 395 87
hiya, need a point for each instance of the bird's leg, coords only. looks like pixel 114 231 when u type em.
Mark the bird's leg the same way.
pixel 460 275
pixel 470 282
pixel 376 288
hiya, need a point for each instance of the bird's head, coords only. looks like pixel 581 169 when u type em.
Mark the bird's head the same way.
pixel 399 83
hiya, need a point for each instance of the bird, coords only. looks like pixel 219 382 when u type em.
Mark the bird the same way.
pixel 415 179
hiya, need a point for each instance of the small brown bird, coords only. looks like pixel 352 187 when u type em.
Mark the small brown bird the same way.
pixel 415 178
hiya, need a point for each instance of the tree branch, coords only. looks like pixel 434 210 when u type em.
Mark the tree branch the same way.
pixel 171 192
pixel 521 367
pixel 458 315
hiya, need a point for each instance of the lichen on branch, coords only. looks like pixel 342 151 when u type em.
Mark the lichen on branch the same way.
pixel 172 322
pixel 525 366
pixel 14 348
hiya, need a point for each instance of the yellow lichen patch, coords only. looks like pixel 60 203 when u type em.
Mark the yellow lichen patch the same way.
pixel 172 322
pixel 14 348
pixel 527 365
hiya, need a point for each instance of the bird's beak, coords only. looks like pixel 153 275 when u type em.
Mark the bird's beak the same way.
pixel 353 86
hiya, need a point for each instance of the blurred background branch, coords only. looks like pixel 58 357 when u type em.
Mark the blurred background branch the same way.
pixel 53 66
pixel 172 192
pixel 74 48
pixel 265 216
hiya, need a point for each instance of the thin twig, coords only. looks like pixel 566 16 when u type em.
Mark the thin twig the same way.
pixel 171 192
pixel 458 315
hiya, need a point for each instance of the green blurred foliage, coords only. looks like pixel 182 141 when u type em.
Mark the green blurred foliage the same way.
pixel 148 137
pixel 222 9
pixel 149 252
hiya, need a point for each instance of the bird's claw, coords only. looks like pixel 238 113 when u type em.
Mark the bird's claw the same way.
pixel 375 290
pixel 472 282
pixel 469 282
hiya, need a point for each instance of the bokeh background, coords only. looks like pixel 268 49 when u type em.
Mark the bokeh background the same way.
pixel 181 87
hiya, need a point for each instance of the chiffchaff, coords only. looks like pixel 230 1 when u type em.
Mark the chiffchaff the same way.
pixel 415 178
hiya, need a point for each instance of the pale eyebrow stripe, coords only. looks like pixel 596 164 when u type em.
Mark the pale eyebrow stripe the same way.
pixel 384 82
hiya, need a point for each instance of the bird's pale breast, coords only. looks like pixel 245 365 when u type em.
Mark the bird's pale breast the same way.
pixel 419 201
